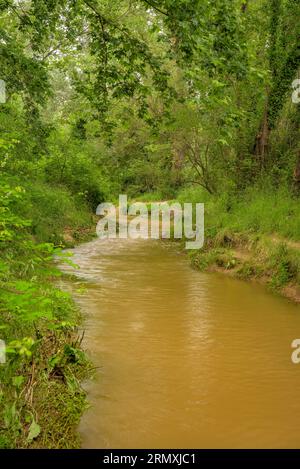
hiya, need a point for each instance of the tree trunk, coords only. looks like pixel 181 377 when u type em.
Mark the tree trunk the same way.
pixel 262 139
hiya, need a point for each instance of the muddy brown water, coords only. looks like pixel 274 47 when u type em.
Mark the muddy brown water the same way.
pixel 185 359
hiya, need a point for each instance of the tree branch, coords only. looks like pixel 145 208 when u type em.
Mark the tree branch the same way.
pixel 102 19
pixel 155 7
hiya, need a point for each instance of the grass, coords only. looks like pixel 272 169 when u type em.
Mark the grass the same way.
pixel 45 389
pixel 255 211
pixel 255 235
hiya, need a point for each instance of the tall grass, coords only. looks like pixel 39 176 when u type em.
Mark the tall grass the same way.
pixel 266 211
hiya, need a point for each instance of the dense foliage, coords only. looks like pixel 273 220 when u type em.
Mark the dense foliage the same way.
pixel 155 99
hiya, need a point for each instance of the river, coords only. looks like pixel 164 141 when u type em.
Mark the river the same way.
pixel 184 358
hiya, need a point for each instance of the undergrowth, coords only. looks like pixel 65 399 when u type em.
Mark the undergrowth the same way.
pixel 40 392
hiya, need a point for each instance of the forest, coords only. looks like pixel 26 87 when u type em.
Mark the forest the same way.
pixel 178 100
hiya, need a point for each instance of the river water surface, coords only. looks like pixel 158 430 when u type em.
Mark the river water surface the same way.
pixel 185 359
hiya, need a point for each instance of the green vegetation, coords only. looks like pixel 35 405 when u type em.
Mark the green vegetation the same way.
pixel 256 210
pixel 254 235
pixel 159 100
pixel 40 380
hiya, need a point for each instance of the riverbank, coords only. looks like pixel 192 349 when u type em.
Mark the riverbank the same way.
pixel 41 395
pixel 273 262
pixel 254 236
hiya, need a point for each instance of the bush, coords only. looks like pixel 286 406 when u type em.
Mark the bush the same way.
pixel 51 209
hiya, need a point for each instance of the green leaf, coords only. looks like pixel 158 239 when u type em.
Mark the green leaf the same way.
pixel 18 381
pixel 34 431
